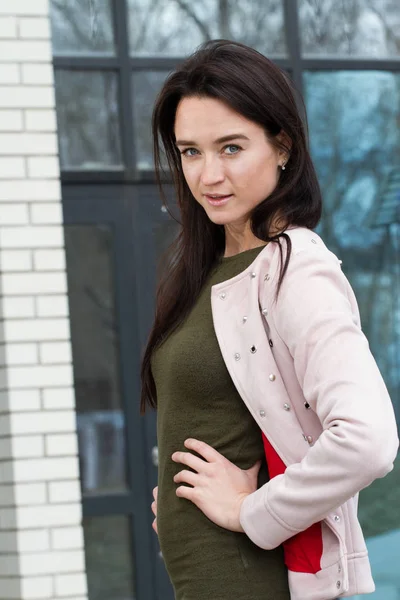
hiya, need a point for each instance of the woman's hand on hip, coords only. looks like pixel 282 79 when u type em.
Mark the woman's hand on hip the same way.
pixel 218 486
pixel 154 509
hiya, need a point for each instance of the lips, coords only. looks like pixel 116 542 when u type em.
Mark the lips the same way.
pixel 219 201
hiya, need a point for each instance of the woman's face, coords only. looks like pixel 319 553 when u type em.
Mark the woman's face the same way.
pixel 224 154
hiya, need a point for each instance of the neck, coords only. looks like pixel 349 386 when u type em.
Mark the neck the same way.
pixel 240 241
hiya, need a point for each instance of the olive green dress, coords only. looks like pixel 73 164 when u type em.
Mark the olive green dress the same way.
pixel 197 398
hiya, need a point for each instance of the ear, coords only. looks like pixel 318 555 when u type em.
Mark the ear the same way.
pixel 286 145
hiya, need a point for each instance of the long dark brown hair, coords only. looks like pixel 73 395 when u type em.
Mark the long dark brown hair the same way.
pixel 260 91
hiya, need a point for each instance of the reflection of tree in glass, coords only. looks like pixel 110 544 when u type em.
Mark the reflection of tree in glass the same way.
pixel 350 27
pixel 145 87
pixel 87 113
pixel 81 26
pixel 176 27
pixel 355 142
pixel 109 560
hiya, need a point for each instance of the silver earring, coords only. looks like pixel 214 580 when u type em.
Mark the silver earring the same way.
pixel 283 167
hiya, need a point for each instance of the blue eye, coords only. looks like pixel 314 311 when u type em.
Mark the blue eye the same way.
pixel 185 152
pixel 238 148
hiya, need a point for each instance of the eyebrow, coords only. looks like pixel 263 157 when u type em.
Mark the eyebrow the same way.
pixel 225 138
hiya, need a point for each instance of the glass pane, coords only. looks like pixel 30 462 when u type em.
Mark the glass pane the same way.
pixel 88 121
pixel 351 28
pixel 108 558
pixel 355 142
pixel 145 87
pixel 81 27
pixel 176 27
pixel 100 419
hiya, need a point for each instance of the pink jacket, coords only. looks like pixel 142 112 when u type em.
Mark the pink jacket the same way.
pixel 304 369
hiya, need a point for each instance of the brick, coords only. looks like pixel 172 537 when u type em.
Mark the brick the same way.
pixel 70 585
pixel 40 120
pixel 5 430
pixel 34 28
pixel 43 422
pixel 13 214
pixel 62 444
pixel 6 454
pixel 57 353
pixel 12 168
pixel 8 27
pixel 44 516
pixel 25 7
pixel 36 330
pixel 9 565
pixel 47 469
pixel 19 354
pixel 52 562
pixel 30 191
pixel 8 540
pixel 6 494
pixel 11 120
pixel 36 588
pixel 25 50
pixel 53 306
pixel 27 96
pixel 64 491
pixel 35 540
pixel 10 587
pixel 15 260
pixel 8 519
pixel 51 236
pixel 27 446
pixel 49 260
pixel 18 307
pixel 9 74
pixel 30 494
pixel 36 376
pixel 44 167
pixel 28 143
pixel 20 400
pixel 49 213
pixel 34 283
pixel 38 74
pixel 58 397
pixel 67 538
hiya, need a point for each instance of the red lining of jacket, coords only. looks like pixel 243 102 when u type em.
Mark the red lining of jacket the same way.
pixel 303 551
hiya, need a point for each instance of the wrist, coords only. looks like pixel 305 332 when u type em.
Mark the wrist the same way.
pixel 239 527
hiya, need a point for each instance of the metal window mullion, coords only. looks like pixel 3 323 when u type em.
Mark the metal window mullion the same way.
pixel 349 64
pixel 120 20
pixel 293 43
pixel 85 63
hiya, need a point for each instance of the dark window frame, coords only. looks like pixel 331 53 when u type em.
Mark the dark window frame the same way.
pixel 124 65
pixel 72 179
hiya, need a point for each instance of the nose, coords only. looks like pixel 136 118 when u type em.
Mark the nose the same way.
pixel 212 172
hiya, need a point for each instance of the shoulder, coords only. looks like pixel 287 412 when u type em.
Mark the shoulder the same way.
pixel 306 246
pixel 313 272
pixel 307 240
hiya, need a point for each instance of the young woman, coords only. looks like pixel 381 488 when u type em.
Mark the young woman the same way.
pixel 272 413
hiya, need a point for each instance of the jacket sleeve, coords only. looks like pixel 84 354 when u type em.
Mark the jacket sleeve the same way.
pixel 316 316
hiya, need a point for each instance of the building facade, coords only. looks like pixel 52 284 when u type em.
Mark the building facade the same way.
pixel 81 231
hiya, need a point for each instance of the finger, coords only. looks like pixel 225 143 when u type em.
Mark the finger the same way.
pixel 154 526
pixel 186 492
pixel 154 508
pixel 207 452
pixel 155 493
pixel 186 477
pixel 192 461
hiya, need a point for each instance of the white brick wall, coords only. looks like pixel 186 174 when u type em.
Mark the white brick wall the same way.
pixel 41 538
